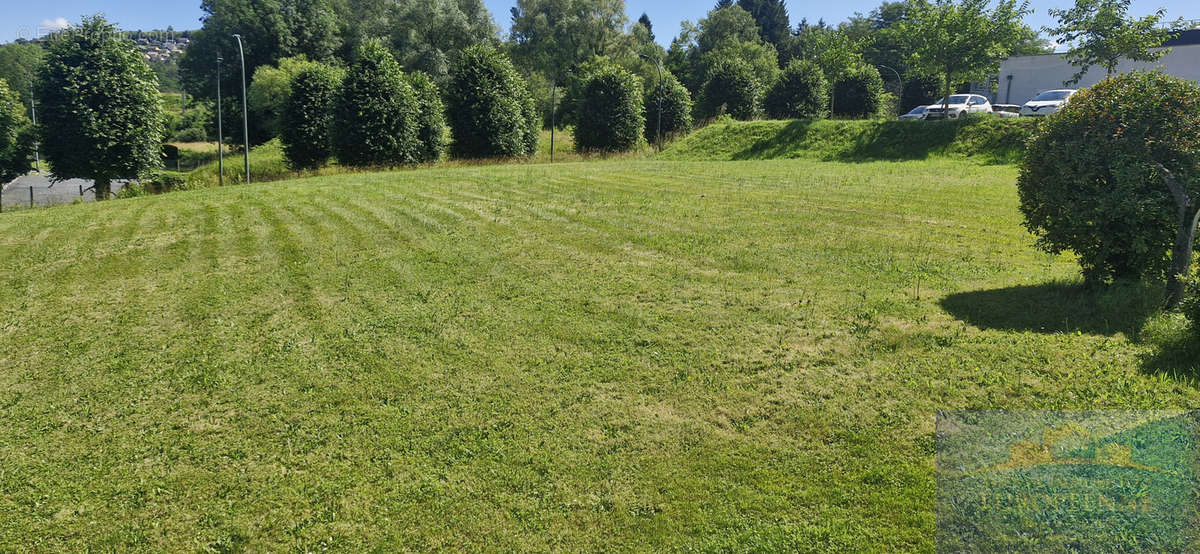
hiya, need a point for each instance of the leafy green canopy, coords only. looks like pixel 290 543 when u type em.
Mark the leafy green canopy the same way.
pixel 1101 32
pixel 1093 180
pixel 376 118
pixel 307 119
pixel 15 151
pixel 431 127
pixel 800 93
pixel 611 118
pixel 962 40
pixel 858 92
pixel 732 88
pixel 490 111
pixel 676 108
pixel 99 112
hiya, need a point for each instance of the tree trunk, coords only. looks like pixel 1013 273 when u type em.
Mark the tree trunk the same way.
pixel 102 188
pixel 1181 255
pixel 946 96
pixel 1188 213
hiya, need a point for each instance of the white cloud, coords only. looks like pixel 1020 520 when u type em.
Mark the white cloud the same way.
pixel 56 24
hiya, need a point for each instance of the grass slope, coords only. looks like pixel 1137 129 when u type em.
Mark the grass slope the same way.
pixel 986 139
pixel 649 355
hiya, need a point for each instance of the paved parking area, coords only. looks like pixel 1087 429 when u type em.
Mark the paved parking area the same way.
pixel 17 193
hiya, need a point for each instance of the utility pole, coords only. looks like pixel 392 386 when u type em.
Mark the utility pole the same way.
pixel 220 134
pixel 245 116
pixel 37 156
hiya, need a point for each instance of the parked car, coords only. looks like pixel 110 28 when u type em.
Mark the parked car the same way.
pixel 1047 102
pixel 1006 110
pixel 916 113
pixel 960 105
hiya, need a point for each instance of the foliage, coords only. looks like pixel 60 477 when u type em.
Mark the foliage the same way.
pixel 731 27
pixel 830 49
pixel 490 111
pixel 376 115
pixel 268 93
pixel 16 153
pixel 157 183
pixel 307 119
pixel 644 21
pixel 800 93
pixel 19 61
pixel 271 30
pixel 1101 32
pixel 611 118
pixel 961 40
pixel 100 117
pixel 431 127
pixel 191 125
pixel 676 108
pixel 1091 184
pixel 760 56
pixel 731 88
pixel 424 34
pixel 858 92
pixel 771 17
pixel 551 36
pixel 1191 304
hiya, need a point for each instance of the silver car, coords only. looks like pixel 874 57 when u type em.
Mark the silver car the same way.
pixel 1047 102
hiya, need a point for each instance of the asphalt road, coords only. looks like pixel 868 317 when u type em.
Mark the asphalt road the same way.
pixel 16 193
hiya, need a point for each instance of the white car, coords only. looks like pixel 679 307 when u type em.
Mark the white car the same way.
pixel 1047 102
pixel 916 113
pixel 960 105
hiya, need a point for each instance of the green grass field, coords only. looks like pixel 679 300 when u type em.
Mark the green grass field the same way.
pixel 621 355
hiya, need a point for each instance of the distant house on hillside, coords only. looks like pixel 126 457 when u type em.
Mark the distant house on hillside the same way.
pixel 1023 77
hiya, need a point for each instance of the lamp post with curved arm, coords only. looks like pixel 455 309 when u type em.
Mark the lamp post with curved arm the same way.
pixel 658 129
pixel 245 116
pixel 899 91
pixel 220 134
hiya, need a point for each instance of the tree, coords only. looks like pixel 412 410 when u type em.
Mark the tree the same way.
pixel 375 121
pixel 858 92
pixel 731 30
pixel 676 108
pixel 19 62
pixel 731 87
pixel 431 127
pixel 424 34
pixel 830 49
pixel 1115 178
pixel 611 119
pixel 801 93
pixel 771 17
pixel 1101 32
pixel 490 111
pixel 99 111
pixel 644 21
pixel 307 119
pixel 963 40
pixel 270 30
pixel 15 149
pixel 550 36
pixel 268 93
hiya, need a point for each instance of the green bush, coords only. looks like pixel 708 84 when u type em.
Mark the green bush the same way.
pixel 800 93
pixel 731 88
pixel 1090 183
pixel 431 129
pixel 376 118
pixel 307 118
pixel 191 134
pixel 490 111
pixel 610 117
pixel 858 92
pixel 676 108
pixel 1191 303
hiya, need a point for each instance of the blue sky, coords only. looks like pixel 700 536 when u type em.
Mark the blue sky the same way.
pixel 24 18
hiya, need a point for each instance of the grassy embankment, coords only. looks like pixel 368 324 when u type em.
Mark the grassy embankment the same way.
pixel 661 355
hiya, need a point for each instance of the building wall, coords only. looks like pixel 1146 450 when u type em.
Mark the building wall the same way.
pixel 1034 74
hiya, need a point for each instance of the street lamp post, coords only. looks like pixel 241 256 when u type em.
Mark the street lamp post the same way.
pixel 37 156
pixel 245 116
pixel 553 109
pixel 220 134
pixel 899 91
pixel 658 129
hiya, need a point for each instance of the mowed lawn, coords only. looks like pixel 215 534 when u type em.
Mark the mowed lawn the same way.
pixel 631 355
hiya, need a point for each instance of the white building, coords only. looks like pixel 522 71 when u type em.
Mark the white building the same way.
pixel 1023 77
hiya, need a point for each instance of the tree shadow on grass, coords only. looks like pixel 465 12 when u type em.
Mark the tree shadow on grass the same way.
pixel 1058 307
